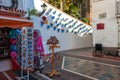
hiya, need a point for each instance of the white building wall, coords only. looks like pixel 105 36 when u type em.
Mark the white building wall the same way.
pixel 8 3
pixel 108 36
pixel 67 40
pixel 28 4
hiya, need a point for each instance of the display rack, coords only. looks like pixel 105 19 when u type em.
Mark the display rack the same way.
pixel 18 45
pixel 52 42
pixel 26 52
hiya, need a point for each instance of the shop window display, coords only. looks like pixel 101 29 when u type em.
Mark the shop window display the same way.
pixel 4 43
pixel 8 45
pixel 14 50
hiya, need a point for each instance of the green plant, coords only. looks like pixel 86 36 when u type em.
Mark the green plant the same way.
pixel 73 11
pixel 32 12
pixel 69 6
pixel 85 20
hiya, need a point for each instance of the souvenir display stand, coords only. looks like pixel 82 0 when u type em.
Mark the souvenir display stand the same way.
pixel 26 52
pixel 18 45
pixel 52 42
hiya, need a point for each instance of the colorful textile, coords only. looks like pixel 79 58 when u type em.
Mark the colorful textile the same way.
pixel 13 47
pixel 13 54
pixel 12 33
pixel 14 64
pixel 39 45
pixel 12 40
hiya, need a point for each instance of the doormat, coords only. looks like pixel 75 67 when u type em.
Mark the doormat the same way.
pixel 91 69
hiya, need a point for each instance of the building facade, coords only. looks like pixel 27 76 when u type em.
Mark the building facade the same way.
pixel 105 23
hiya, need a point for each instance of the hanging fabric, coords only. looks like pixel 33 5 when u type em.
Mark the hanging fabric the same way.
pixel 38 42
pixel 39 50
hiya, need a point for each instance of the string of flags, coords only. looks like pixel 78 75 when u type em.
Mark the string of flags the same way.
pixel 62 22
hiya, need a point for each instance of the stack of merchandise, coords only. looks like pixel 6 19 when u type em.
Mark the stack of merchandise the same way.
pixel 13 48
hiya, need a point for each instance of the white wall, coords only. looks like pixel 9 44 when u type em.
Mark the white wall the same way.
pixel 28 4
pixel 67 40
pixel 109 35
pixel 8 3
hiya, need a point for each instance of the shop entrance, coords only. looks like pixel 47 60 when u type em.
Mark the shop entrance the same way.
pixel 9 43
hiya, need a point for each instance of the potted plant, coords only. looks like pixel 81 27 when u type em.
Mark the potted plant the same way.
pixel 32 12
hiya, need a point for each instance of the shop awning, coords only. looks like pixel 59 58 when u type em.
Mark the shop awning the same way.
pixel 14 22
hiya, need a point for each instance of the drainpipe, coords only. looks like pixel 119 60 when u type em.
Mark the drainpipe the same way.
pixel 117 13
pixel 118 16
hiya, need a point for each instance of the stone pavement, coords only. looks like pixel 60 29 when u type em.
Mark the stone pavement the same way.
pixel 80 69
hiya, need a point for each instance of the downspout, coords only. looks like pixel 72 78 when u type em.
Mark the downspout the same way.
pixel 117 3
pixel 118 16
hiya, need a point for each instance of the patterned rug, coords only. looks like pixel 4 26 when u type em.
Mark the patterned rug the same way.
pixel 91 69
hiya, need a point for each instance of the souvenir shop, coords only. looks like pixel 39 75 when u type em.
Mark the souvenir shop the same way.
pixel 14 39
pixel 18 39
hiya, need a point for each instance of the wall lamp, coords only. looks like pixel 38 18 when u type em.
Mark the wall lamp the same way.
pixel 44 7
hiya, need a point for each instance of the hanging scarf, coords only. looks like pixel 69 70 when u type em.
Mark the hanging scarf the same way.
pixel 39 45
pixel 13 48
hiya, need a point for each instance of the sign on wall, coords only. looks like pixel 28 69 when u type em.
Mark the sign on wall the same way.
pixel 102 16
pixel 100 26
